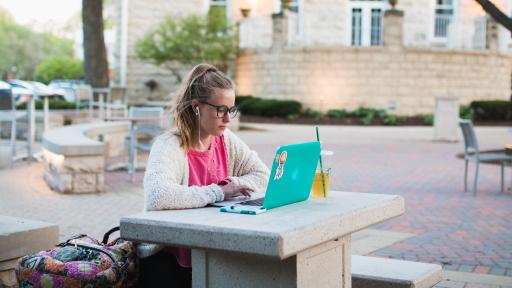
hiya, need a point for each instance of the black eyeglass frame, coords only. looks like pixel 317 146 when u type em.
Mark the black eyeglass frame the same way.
pixel 222 114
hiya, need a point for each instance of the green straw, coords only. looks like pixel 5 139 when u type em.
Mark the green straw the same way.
pixel 321 165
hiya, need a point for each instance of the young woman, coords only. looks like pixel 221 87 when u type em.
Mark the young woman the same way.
pixel 197 163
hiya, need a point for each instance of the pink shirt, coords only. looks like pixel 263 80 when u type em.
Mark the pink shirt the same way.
pixel 205 168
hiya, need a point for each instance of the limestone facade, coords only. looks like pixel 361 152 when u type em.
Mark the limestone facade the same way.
pixel 401 79
pixel 312 60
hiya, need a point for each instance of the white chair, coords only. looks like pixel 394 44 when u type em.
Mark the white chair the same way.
pixel 9 114
pixel 116 101
pixel 471 143
pixel 83 93
pixel 139 126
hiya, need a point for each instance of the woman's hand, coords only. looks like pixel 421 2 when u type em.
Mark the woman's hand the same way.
pixel 232 190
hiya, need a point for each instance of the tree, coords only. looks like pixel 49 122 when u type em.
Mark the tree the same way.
pixel 95 53
pixel 59 68
pixel 23 49
pixel 496 13
pixel 189 41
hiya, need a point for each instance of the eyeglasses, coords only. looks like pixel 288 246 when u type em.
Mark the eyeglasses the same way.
pixel 223 110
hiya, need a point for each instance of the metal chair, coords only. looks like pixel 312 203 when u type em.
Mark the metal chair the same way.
pixel 138 126
pixel 8 113
pixel 83 93
pixel 116 101
pixel 151 129
pixel 471 143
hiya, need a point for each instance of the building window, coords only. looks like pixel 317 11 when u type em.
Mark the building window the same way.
pixel 443 16
pixel 365 21
pixel 294 7
pixel 376 27
pixel 357 22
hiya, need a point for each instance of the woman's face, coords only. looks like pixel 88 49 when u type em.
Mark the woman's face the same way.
pixel 213 123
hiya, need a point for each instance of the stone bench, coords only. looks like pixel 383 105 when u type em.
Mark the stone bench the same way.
pixel 374 272
pixel 20 237
pixel 75 155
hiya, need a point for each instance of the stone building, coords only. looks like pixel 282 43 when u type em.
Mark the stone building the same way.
pixel 342 53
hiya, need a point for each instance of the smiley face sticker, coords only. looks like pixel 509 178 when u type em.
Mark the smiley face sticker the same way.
pixel 281 160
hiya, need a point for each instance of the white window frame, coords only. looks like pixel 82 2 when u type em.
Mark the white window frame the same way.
pixel 442 39
pixel 298 29
pixel 366 28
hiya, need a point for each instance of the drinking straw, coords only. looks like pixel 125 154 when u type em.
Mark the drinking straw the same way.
pixel 321 165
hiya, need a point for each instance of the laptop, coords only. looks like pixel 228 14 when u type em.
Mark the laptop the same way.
pixel 291 178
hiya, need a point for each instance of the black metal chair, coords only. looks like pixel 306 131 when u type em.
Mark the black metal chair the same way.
pixel 471 143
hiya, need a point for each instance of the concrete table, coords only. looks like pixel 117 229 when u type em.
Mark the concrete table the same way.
pixel 305 244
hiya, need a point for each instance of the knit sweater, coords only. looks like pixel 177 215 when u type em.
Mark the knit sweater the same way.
pixel 166 177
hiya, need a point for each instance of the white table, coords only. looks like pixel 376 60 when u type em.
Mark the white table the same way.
pixel 305 244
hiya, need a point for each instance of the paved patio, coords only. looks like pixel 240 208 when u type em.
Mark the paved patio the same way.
pixel 453 228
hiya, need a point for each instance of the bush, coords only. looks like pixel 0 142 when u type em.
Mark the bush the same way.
pixel 59 68
pixel 267 107
pixel 465 112
pixel 428 119
pixel 393 120
pixel 317 115
pixel 493 110
pixel 53 104
pixel 337 113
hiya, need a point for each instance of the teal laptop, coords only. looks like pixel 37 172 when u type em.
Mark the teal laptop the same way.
pixel 291 178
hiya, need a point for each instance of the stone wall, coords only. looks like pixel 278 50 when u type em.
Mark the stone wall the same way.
pixel 383 77
pixel 143 17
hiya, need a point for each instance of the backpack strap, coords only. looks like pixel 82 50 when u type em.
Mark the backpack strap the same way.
pixel 107 235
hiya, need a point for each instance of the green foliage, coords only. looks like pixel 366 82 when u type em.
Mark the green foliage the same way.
pixel 52 104
pixel 337 113
pixel 59 68
pixel 465 113
pixel 428 119
pixel 267 107
pixel 317 115
pixel 189 41
pixel 293 117
pixel 394 120
pixel 24 49
pixel 492 110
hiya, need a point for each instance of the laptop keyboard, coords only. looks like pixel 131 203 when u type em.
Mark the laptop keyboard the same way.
pixel 255 202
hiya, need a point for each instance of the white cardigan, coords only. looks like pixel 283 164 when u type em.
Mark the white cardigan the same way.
pixel 166 177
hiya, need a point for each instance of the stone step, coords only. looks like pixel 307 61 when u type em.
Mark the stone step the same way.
pixel 373 272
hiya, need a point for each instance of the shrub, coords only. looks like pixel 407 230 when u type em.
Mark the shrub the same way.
pixel 59 68
pixel 428 119
pixel 317 115
pixel 465 113
pixel 393 120
pixel 293 117
pixel 267 107
pixel 337 113
pixel 53 104
pixel 492 110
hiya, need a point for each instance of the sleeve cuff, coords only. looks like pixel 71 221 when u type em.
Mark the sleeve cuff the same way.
pixel 219 194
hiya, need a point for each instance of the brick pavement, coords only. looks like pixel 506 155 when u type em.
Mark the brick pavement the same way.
pixel 464 233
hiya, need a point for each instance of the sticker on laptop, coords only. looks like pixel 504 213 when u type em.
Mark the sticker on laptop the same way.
pixel 281 159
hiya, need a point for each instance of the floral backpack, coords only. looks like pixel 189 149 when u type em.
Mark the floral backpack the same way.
pixel 81 261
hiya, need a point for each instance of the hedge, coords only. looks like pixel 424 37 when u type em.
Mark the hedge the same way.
pixel 492 110
pixel 250 105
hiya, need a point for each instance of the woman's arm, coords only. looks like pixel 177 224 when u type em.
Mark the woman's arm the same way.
pixel 248 169
pixel 162 188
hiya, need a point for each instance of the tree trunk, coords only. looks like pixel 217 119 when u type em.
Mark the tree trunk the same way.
pixel 496 14
pixel 95 55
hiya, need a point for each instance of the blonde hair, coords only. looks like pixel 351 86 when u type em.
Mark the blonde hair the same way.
pixel 200 84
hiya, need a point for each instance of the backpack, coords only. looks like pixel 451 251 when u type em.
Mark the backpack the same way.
pixel 81 261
